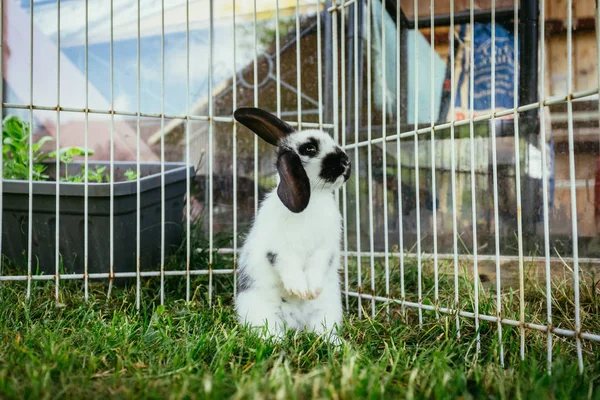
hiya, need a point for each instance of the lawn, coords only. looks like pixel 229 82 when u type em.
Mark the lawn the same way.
pixel 107 349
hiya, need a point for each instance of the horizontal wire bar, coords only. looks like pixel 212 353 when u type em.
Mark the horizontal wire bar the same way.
pixel 490 257
pixel 463 257
pixel 483 317
pixel 145 274
pixel 483 117
pixel 146 115
pixel 427 307
pixel 479 118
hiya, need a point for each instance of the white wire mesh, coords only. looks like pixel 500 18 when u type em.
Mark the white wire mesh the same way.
pixel 521 258
pixel 348 117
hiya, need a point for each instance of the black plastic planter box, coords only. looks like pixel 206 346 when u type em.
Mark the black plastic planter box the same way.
pixel 72 228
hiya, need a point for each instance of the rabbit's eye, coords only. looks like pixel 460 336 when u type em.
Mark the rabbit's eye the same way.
pixel 309 149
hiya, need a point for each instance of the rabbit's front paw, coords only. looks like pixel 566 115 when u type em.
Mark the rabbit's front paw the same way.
pixel 296 285
pixel 303 293
pixel 315 284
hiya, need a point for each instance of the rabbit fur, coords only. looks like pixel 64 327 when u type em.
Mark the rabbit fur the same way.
pixel 288 266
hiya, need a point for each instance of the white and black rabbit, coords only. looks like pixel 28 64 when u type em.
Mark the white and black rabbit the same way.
pixel 288 266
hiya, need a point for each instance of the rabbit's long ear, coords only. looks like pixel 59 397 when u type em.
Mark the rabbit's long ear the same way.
pixel 270 128
pixel 294 186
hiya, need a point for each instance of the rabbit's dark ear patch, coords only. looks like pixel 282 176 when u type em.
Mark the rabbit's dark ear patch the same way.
pixel 267 126
pixel 294 186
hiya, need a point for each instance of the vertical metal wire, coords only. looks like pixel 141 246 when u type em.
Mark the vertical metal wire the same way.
pixel 162 153
pixel 399 155
pixel 433 185
pixel 495 178
pixel 1 120
pixel 277 59
pixel 453 167
pixel 357 159
pixel 384 156
pixel 30 188
pixel 86 159
pixel 472 142
pixel 298 70
pixel 319 66
pixel 370 158
pixel 210 154
pixel 572 182
pixel 112 152
pixel 416 147
pixel 542 90
pixel 334 74
pixel 57 161
pixel 344 131
pixel 256 105
pixel 234 145
pixel 188 203
pixel 138 287
pixel 335 88
pixel 597 61
pixel 518 190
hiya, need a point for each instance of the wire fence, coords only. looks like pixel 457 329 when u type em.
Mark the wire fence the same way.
pixel 383 128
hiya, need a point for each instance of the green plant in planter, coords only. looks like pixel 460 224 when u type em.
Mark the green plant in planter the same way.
pixel 66 156
pixel 15 150
pixel 15 156
pixel 130 175
pixel 95 175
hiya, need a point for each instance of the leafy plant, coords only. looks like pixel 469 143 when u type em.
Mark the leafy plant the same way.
pixel 16 148
pixel 98 175
pixel 95 175
pixel 15 156
pixel 130 175
pixel 66 156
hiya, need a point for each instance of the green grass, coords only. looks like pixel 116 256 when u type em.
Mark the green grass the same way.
pixel 106 348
